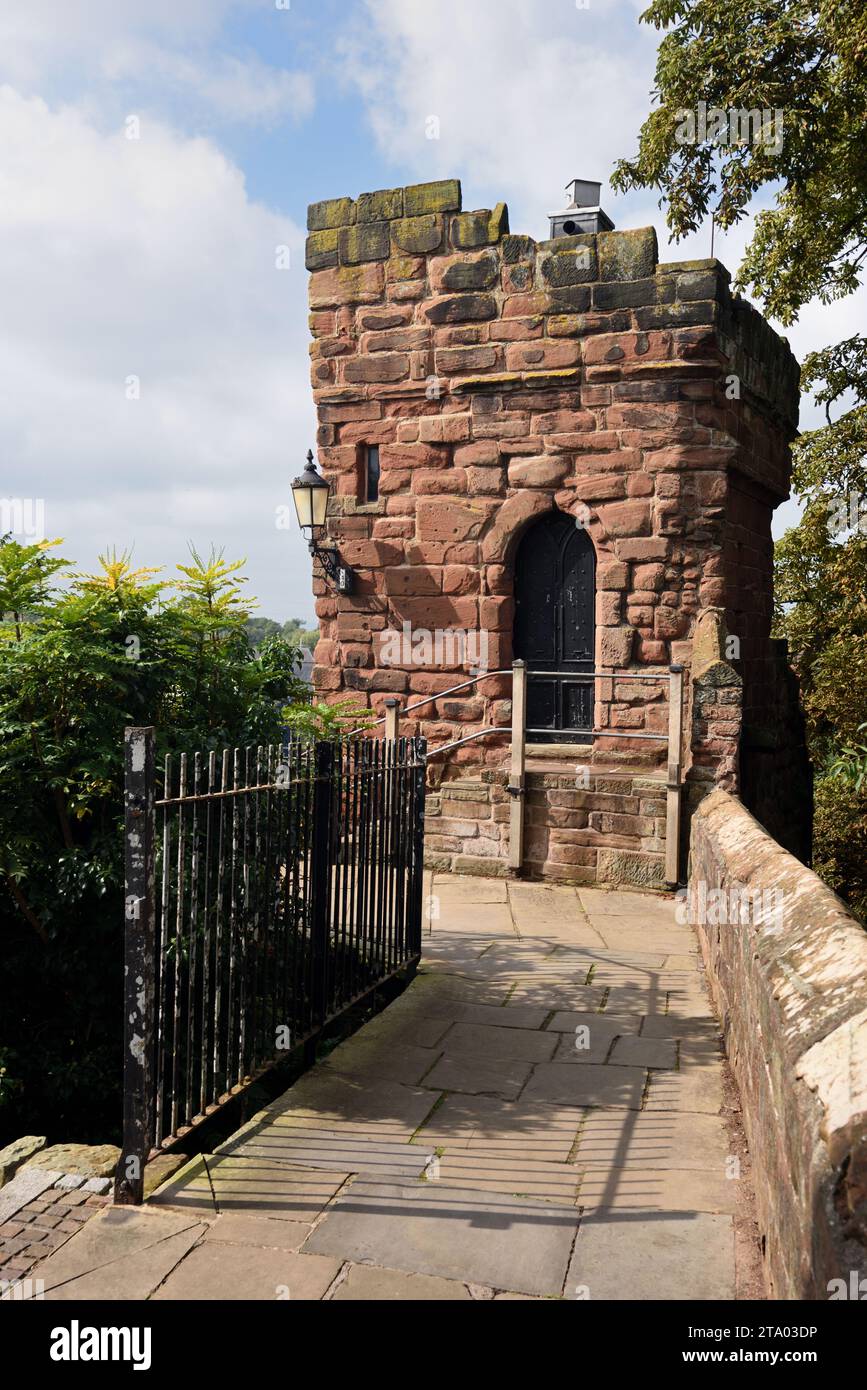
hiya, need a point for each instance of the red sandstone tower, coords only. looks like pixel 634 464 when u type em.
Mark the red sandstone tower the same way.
pixel 564 452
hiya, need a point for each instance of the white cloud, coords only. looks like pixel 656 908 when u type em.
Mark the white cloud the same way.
pixel 528 96
pixel 148 258
pixel 160 52
pixel 241 89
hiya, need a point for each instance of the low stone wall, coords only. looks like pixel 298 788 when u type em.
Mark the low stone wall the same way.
pixel 788 974
pixel 587 828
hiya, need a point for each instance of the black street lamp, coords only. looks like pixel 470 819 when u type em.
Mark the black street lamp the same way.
pixel 310 493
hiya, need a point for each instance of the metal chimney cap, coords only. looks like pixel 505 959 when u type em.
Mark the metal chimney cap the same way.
pixel 584 193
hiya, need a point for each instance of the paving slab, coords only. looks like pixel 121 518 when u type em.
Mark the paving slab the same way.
pixel 695 1089
pixel 515 1173
pixel 665 1140
pixel 443 1011
pixel 483 1042
pixel 239 1272
pixel 591 1039
pixel 637 1187
pixel 557 997
pixel 431 1228
pixel 591 1084
pixel 330 1096
pixel 240 1183
pixel 472 1076
pixel 343 1149
pixel 675 1258
pixel 421 1028
pixel 677 1026
pixel 658 1053
pixel 644 907
pixel 244 1229
pixel 120 1253
pixel 535 1130
pixel 367 1283
pixel 382 1059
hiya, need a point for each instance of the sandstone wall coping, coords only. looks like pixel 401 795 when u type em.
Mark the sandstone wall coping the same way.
pixel 791 990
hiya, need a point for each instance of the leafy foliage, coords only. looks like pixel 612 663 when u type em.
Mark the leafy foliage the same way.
pixel 121 647
pixel 293 631
pixel 342 720
pixel 807 60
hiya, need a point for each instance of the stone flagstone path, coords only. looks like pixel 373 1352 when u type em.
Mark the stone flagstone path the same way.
pixel 540 1115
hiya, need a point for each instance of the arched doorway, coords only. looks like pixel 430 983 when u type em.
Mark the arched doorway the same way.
pixel 555 627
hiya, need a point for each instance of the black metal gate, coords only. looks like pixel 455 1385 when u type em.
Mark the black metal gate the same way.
pixel 555 628
pixel 267 890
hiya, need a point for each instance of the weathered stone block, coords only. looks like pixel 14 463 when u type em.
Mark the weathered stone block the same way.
pixel 570 267
pixel 615 646
pixel 379 367
pixel 361 284
pixel 544 472
pixel 627 255
pixel 321 250
pixel 442 196
pixel 461 308
pixel 370 241
pixel 334 212
pixel 380 206
pixel 418 235
pixel 471 229
pixel 518 248
pixel 478 273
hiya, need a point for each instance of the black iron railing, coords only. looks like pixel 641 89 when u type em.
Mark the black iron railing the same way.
pixel 267 890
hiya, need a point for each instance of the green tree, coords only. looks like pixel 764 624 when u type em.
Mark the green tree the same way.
pixel 804 63
pixel 123 646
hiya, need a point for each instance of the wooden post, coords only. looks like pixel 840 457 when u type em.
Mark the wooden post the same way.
pixel 675 737
pixel 392 720
pixel 517 780
pixel 139 964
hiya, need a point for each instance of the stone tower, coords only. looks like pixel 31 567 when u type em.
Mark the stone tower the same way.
pixel 471 385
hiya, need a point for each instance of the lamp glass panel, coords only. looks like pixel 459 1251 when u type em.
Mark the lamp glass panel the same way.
pixel 304 505
pixel 319 504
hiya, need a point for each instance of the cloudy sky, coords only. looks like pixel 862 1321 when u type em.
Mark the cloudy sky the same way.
pixel 153 356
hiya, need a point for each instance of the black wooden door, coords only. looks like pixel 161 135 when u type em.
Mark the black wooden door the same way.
pixel 555 628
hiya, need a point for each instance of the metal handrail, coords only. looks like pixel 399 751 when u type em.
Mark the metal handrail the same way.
pixel 603 675
pixel 440 695
pixel 482 733
pixel 620 674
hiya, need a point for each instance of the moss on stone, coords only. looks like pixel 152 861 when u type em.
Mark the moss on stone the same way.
pixel 418 235
pixel 566 268
pixel 499 381
pixel 471 229
pixel 334 212
pixel 443 196
pixel 369 241
pixel 478 274
pixel 498 223
pixel 321 251
pixel 627 255
pixel 382 206
pixel 518 248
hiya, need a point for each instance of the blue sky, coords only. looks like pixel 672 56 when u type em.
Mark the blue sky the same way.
pixel 151 261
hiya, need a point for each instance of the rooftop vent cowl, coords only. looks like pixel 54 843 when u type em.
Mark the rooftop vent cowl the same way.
pixel 583 213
